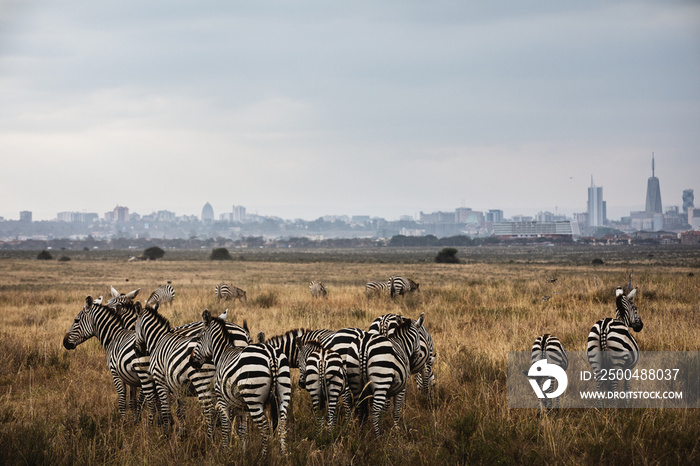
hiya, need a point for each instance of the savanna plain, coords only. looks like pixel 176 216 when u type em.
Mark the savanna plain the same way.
pixel 60 407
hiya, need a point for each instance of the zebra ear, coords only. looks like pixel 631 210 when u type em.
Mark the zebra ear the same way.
pixel 88 301
pixel 261 337
pixel 137 306
pixel 132 294
pixel 206 316
pixel 630 296
pixel 115 293
pixel 421 319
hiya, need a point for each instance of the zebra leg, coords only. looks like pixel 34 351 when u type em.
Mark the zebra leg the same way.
pixel 282 429
pixel 121 393
pixel 257 412
pixel 165 414
pixel 225 414
pixel 347 402
pixel 399 399
pixel 318 416
pixel 378 402
pixel 136 401
pixel 205 400
pixel 180 400
pixel 243 427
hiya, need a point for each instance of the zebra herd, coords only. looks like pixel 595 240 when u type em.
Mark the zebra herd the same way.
pixel 611 345
pixel 395 286
pixel 218 362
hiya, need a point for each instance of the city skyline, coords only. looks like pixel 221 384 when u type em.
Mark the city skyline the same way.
pixel 304 109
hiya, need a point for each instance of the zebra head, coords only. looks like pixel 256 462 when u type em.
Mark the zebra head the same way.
pixel 627 309
pixel 121 298
pixel 408 336
pixel 83 326
pixel 202 349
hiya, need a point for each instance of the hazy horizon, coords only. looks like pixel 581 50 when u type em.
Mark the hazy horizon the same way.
pixel 303 109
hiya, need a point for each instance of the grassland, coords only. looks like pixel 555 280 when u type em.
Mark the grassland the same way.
pixel 59 407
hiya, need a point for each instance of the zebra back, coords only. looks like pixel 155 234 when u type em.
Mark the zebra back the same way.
pixel 290 342
pixel 377 287
pixel 549 347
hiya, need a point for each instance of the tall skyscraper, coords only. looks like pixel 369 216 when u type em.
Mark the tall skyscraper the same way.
pixel 596 206
pixel 653 193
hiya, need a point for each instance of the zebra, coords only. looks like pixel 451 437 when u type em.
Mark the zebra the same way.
pixel 401 286
pixel 246 380
pixel 122 298
pixel 225 291
pixel 127 369
pixel 422 362
pixel 549 347
pixel 318 289
pixel 170 368
pixel 611 346
pixel 377 288
pixel 164 294
pixel 322 373
pixel 385 369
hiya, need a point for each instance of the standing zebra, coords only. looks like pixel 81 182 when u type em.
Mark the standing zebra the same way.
pixel 322 374
pixel 246 380
pixel 611 346
pixel 225 291
pixel 128 372
pixel 423 360
pixel 170 368
pixel 318 289
pixel 401 286
pixel 385 368
pixel 164 294
pixel 377 288
pixel 549 347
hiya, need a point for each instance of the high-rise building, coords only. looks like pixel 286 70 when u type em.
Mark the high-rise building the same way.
pixel 238 213
pixel 653 192
pixel 25 216
pixel 207 213
pixel 688 200
pixel 596 206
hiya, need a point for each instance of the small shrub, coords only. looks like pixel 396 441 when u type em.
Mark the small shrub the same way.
pixel 44 255
pixel 597 261
pixel 64 259
pixel 265 300
pixel 447 256
pixel 153 253
pixel 220 254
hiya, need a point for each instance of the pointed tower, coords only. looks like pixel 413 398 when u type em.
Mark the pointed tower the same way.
pixel 207 213
pixel 653 192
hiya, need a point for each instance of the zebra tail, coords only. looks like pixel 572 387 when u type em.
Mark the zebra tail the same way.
pixel 274 374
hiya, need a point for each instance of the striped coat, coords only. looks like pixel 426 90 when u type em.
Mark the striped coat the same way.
pixel 400 286
pixel 385 368
pixel 246 380
pixel 129 372
pixel 318 289
pixel 611 346
pixel 164 294
pixel 224 291
pixel 322 374
pixel 549 347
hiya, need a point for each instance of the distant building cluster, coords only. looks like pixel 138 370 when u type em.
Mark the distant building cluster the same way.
pixel 119 222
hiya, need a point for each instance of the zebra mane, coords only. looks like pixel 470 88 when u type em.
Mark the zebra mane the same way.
pixel 161 319
pixel 292 333
pixel 111 311
pixel 228 338
pixel 315 345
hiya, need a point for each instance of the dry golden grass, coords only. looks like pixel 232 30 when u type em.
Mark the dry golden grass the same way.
pixel 60 407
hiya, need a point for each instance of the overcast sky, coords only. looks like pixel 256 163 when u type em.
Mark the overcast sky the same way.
pixel 300 109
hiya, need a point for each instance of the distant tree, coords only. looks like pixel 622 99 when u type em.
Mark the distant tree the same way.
pixel 44 255
pixel 220 254
pixel 447 256
pixel 152 253
pixel 597 261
